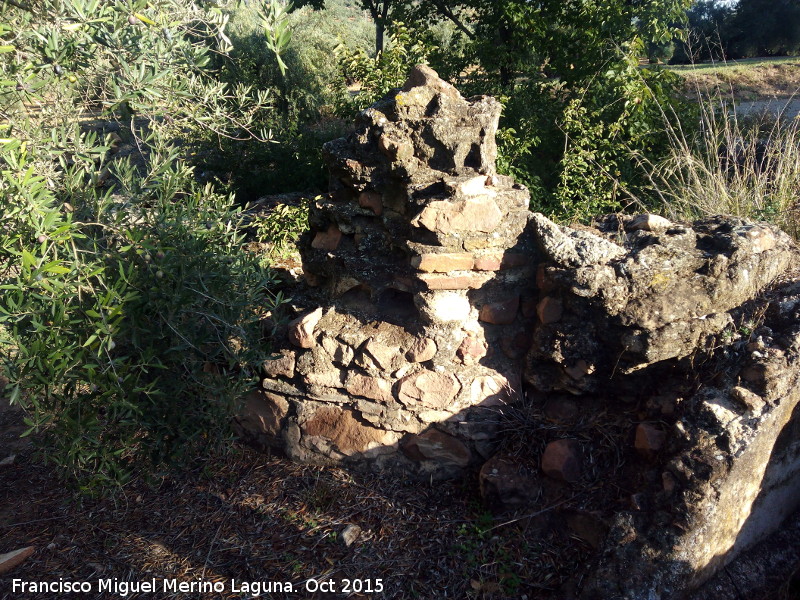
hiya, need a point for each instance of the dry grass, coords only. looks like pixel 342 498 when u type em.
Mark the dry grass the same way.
pixel 749 79
pixel 727 163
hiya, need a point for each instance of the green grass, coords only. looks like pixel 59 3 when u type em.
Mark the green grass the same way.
pixel 735 65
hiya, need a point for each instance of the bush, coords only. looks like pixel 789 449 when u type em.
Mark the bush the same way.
pixel 620 114
pixel 127 332
pixel 388 70
pixel 304 97
pixel 128 315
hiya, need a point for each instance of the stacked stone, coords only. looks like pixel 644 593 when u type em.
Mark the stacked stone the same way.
pixel 428 304
pixel 635 292
pixel 419 265
pixel 416 207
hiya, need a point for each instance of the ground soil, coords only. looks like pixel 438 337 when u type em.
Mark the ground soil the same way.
pixel 249 516
pixel 745 80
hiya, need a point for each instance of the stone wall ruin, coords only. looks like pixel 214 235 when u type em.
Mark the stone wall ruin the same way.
pixel 435 302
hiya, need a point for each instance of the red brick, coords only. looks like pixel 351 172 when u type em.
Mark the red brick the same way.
pixel 562 460
pixel 344 430
pixel 372 201
pixel 443 281
pixel 442 263
pixel 327 240
pixel 499 261
pixel 490 390
pixel 500 313
pixel 11 560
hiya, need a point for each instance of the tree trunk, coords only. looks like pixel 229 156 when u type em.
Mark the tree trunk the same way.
pixel 379 30
pixel 382 26
pixel 379 13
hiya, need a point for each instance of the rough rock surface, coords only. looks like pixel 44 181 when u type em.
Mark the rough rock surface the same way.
pixel 416 264
pixel 730 470
pixel 643 298
pixel 660 372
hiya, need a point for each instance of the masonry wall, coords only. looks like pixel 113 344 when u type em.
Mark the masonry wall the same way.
pixel 434 302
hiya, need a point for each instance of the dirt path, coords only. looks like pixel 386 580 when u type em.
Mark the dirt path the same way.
pixel 784 107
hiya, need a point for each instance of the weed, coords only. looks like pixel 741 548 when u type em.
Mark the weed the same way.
pixel 281 227
pixel 726 163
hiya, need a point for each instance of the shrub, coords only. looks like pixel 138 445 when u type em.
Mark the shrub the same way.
pixel 128 321
pixel 303 97
pixel 129 314
pixel 388 70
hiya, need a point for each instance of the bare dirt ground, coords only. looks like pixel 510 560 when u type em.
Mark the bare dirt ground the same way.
pixel 250 517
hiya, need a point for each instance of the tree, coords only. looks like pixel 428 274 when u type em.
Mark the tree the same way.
pixel 566 38
pixel 576 102
pixel 766 28
pixel 379 10
pixel 708 32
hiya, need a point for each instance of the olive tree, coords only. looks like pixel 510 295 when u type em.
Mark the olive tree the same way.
pixel 129 314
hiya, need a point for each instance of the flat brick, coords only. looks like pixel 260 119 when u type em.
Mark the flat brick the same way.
pixel 372 201
pixel 443 281
pixel 344 430
pixel 442 263
pixel 499 261
pixel 500 313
